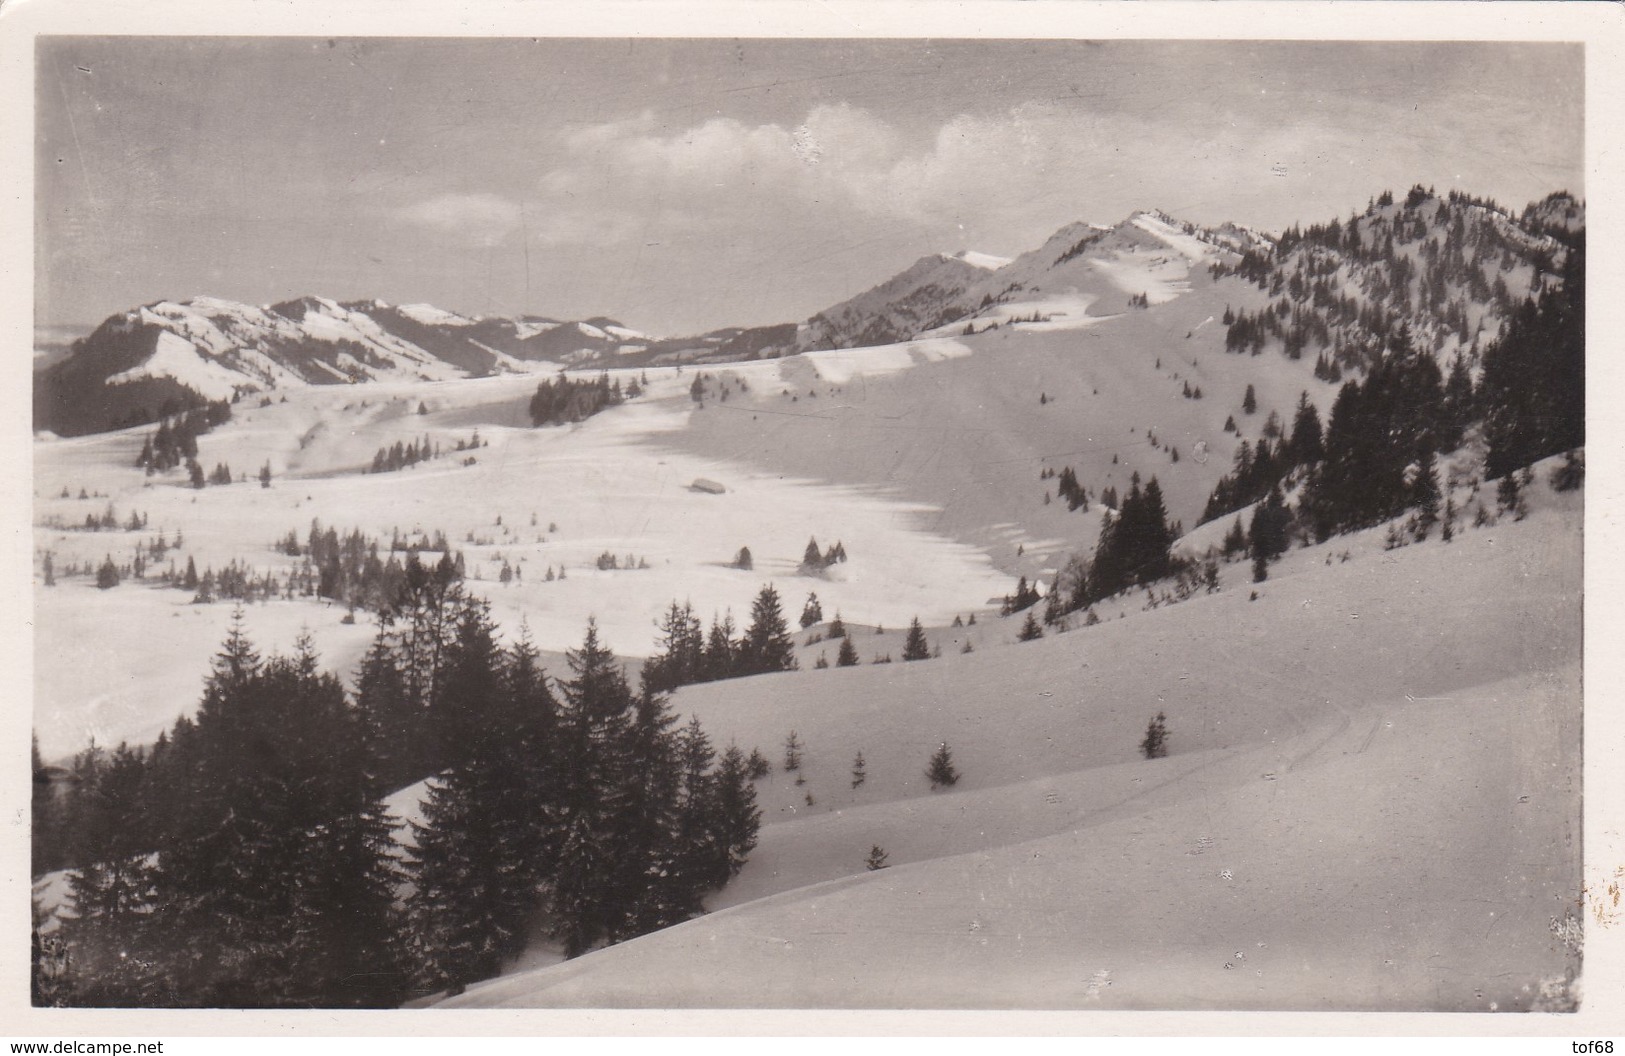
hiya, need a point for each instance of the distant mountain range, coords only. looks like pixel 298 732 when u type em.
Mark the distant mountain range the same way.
pixel 153 360
pixel 150 361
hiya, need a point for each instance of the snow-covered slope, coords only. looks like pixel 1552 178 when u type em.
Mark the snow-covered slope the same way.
pixel 1081 272
pixel 1149 255
pixel 982 260
pixel 977 420
pixel 1367 806
pixel 926 294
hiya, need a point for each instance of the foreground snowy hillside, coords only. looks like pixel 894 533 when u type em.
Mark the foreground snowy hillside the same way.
pixel 1370 803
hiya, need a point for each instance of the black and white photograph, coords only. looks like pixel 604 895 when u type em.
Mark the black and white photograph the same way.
pixel 732 520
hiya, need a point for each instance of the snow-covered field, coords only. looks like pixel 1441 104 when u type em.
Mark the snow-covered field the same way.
pixel 544 500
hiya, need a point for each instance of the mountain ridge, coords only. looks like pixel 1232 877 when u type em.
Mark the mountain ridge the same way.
pixel 159 358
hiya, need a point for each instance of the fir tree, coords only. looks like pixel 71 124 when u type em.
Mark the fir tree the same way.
pixel 859 772
pixel 346 913
pixel 681 656
pixel 658 895
pixel 915 647
pixel 736 820
pixel 721 651
pixel 587 899
pixel 767 645
pixel 1249 402
pixel 1155 745
pixel 941 772
pixel 1425 492
pixel 792 752
pixel 876 860
pixel 1509 496
pixel 399 725
pixel 696 806
pixel 847 655
pixel 1030 630
pixel 1459 404
pixel 465 913
pixel 527 745
pixel 811 612
pixel 467 687
pixel 1268 537
pixel 1306 443
pixel 1053 605
pixel 118 961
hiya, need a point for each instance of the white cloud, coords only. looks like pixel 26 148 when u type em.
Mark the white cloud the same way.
pixel 627 179
pixel 842 196
pixel 1021 172
pixel 475 219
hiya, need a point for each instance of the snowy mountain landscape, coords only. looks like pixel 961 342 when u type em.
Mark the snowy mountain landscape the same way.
pixel 1165 615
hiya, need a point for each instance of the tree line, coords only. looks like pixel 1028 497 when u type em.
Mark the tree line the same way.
pixel 348 568
pixel 397 456
pixel 246 858
pixel 686 653
pixel 1377 456
pixel 1441 265
pixel 175 440
pixel 562 400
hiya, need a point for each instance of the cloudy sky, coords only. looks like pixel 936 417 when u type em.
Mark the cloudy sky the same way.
pixel 685 185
